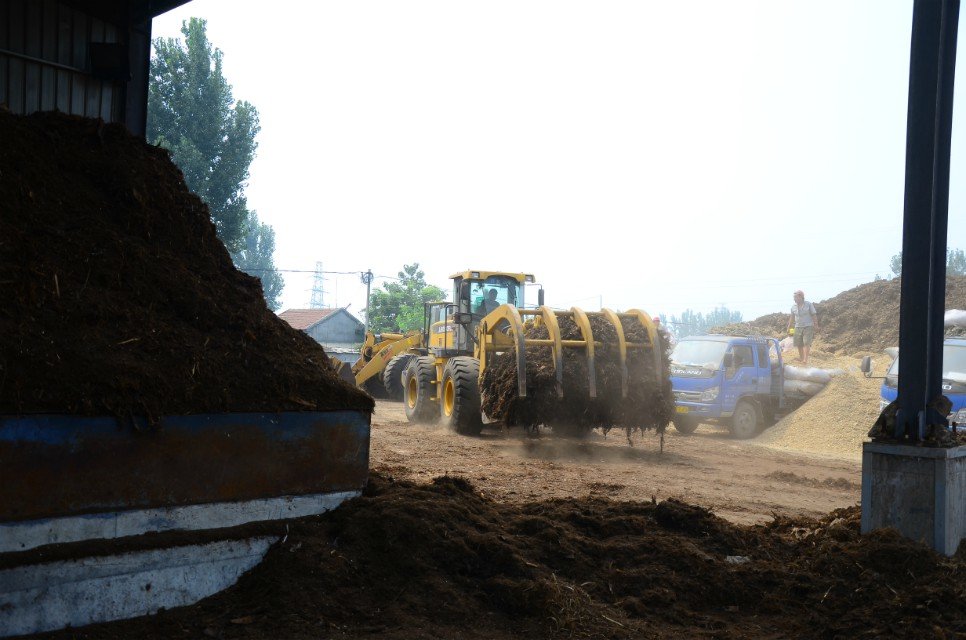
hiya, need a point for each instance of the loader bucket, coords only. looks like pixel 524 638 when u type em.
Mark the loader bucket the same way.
pixel 602 368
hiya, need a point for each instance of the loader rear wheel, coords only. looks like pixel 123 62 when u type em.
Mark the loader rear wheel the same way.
pixel 744 422
pixel 459 407
pixel 392 375
pixel 419 383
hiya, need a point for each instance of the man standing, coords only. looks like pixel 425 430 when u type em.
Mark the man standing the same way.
pixel 806 324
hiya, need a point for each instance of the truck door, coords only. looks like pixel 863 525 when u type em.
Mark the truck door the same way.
pixel 741 378
pixel 764 369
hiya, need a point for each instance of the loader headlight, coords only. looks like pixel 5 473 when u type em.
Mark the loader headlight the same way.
pixel 959 417
pixel 710 395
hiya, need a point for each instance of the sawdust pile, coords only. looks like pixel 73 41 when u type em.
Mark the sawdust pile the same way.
pixel 835 422
pixel 441 561
pixel 119 298
pixel 648 405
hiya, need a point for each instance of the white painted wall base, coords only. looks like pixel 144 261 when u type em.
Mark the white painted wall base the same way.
pixel 50 596
pixel 20 536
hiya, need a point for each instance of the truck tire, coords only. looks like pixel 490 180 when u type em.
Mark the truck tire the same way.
pixel 392 375
pixel 685 425
pixel 459 405
pixel 744 422
pixel 419 384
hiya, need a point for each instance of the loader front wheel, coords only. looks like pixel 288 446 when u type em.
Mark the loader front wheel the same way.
pixel 459 406
pixel 392 375
pixel 744 422
pixel 419 384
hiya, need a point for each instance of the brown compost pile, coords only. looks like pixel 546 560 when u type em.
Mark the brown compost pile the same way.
pixel 648 405
pixel 118 296
pixel 439 560
pixel 864 319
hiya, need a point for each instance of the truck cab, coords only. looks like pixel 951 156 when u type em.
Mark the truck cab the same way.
pixel 734 380
pixel 954 379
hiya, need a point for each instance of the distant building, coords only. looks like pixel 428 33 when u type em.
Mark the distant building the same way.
pixel 339 332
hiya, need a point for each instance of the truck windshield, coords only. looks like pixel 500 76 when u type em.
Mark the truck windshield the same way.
pixel 954 364
pixel 706 354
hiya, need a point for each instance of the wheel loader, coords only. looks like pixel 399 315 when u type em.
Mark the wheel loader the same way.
pixel 438 371
pixel 383 357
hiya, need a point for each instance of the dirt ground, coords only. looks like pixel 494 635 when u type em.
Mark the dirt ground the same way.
pixel 507 536
pixel 743 482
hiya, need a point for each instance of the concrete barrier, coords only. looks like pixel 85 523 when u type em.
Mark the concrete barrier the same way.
pixel 920 491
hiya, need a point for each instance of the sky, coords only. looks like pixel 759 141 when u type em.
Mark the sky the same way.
pixel 631 154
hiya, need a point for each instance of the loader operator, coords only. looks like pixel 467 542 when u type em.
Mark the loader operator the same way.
pixel 489 303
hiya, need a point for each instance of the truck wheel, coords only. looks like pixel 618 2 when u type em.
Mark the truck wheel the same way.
pixel 419 383
pixel 744 422
pixel 685 425
pixel 392 375
pixel 459 406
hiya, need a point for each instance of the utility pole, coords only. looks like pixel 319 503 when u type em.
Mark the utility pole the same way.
pixel 367 280
pixel 318 283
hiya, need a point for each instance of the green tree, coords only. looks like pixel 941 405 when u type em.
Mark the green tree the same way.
pixel 256 259
pixel 211 137
pixel 696 324
pixel 398 306
pixel 955 263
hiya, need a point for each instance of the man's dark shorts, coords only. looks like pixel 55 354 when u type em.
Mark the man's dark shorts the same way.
pixel 804 336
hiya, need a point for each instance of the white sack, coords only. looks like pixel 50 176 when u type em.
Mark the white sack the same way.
pixel 954 318
pixel 808 374
pixel 802 387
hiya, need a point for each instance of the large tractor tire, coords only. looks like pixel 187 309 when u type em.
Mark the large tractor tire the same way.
pixel 419 383
pixel 745 423
pixel 392 375
pixel 459 406
pixel 685 425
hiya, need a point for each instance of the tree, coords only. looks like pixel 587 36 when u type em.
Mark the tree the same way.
pixel 398 306
pixel 696 324
pixel 191 112
pixel 955 263
pixel 256 259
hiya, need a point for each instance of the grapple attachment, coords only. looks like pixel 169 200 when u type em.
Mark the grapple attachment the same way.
pixel 603 367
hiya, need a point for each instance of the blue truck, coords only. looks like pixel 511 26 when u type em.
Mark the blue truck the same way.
pixel 954 379
pixel 737 381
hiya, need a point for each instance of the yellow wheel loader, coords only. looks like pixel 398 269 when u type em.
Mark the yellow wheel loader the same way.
pixel 385 356
pixel 531 364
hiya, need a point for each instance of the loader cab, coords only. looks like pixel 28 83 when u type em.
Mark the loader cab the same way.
pixel 477 293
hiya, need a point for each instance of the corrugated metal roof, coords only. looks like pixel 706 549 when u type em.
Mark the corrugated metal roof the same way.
pixel 304 318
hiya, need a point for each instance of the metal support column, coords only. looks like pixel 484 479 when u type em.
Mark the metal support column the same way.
pixel 932 70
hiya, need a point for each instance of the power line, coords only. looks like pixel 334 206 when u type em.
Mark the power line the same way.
pixel 341 273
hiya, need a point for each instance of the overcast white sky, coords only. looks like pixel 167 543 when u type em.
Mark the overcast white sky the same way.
pixel 657 155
